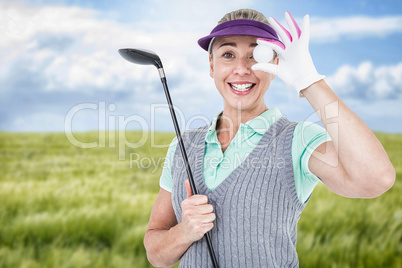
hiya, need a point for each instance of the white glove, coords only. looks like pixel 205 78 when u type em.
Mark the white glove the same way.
pixel 296 68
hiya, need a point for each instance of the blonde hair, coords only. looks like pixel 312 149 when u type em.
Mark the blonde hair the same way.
pixel 245 14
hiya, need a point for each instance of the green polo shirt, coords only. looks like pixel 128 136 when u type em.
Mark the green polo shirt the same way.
pixel 218 165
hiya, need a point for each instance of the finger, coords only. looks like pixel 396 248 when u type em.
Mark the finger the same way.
pixel 195 200
pixel 188 188
pixel 204 228
pixel 273 44
pixel 205 209
pixel 293 27
pixel 208 227
pixel 208 218
pixel 281 31
pixel 266 67
pixel 202 219
pixel 196 206
pixel 306 29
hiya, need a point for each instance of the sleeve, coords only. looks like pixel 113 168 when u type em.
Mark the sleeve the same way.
pixel 307 137
pixel 166 180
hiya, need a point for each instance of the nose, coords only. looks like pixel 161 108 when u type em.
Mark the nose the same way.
pixel 243 66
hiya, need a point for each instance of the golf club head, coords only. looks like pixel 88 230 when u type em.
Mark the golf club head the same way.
pixel 141 56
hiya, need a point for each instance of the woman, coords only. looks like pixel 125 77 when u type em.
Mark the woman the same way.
pixel 254 169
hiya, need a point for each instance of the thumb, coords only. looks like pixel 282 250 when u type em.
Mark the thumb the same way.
pixel 188 188
pixel 266 67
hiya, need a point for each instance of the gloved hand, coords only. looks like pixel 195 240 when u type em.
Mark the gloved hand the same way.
pixel 296 68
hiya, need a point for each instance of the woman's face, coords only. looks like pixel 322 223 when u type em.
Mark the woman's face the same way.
pixel 240 86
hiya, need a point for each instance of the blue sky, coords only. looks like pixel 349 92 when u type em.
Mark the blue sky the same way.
pixel 60 68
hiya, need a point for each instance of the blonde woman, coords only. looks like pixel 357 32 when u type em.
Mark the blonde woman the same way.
pixel 255 170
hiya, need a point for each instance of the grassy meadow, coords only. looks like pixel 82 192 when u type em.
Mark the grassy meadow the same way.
pixel 64 206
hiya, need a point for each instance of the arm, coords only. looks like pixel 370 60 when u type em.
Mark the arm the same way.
pixel 354 163
pixel 166 240
pixel 162 238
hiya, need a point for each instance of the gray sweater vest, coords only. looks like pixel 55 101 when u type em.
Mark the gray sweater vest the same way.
pixel 257 207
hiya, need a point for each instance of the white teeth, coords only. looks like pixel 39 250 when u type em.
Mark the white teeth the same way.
pixel 242 87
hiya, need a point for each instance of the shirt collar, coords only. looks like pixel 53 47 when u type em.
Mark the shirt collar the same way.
pixel 259 124
pixel 262 123
pixel 211 135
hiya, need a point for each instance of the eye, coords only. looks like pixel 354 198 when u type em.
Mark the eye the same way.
pixel 228 55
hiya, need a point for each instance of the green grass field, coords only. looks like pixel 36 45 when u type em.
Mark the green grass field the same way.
pixel 64 206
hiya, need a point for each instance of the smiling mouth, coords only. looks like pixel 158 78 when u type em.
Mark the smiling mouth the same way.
pixel 242 87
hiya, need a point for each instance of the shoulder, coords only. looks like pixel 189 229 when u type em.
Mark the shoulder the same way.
pixel 195 134
pixel 283 126
pixel 191 138
pixel 307 136
pixel 196 131
pixel 306 131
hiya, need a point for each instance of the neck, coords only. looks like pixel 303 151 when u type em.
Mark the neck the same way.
pixel 230 120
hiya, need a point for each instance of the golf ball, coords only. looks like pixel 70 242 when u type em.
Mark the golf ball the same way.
pixel 263 54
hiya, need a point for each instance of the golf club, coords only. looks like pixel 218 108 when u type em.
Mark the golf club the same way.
pixel 146 57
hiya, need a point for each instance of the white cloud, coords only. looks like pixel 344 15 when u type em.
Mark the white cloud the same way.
pixel 61 56
pixel 368 81
pixel 354 27
pixel 65 55
pixel 73 50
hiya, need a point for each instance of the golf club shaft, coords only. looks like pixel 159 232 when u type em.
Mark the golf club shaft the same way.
pixel 186 163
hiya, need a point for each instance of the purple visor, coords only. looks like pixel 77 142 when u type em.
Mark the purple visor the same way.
pixel 239 27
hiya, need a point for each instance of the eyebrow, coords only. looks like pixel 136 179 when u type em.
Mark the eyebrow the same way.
pixel 234 45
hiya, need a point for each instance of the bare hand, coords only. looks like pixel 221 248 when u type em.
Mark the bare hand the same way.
pixel 197 215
